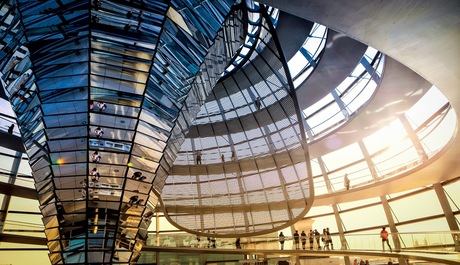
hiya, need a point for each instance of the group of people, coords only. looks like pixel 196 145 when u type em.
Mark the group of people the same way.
pixel 312 236
pixel 361 262
pixel 100 105
pixel 138 176
pixel 95 175
pixel 99 132
pixel 211 241
pixel 198 156
pixel 325 237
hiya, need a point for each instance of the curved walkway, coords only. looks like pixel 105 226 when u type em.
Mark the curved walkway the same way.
pixel 438 257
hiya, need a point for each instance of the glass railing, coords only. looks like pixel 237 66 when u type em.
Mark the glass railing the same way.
pixel 392 160
pixel 443 241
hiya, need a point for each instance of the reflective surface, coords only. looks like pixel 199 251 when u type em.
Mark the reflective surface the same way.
pixel 242 168
pixel 98 109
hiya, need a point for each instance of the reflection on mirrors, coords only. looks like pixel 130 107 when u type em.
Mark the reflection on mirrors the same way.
pixel 99 132
pixel 96 157
pixel 110 145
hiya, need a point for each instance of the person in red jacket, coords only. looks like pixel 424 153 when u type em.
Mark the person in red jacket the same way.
pixel 384 237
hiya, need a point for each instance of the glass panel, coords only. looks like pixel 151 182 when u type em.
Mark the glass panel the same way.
pixel 372 216
pixel 430 207
pixel 452 194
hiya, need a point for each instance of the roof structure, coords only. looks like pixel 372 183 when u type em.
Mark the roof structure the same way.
pixel 231 118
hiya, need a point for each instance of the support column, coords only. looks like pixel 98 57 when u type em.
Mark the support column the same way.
pixel 369 161
pixel 341 104
pixel 414 138
pixel 391 223
pixel 157 233
pixel 7 198
pixel 448 213
pixel 343 240
pixel 325 176
pixel 393 229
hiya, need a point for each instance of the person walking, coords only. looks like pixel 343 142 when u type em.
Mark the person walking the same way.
pixel 384 237
pixel 198 157
pixel 329 238
pixel 138 176
pixel 133 199
pixel 238 243
pixel 198 239
pixel 317 237
pixel 257 103
pixel 213 240
pixel 281 239
pixel 99 132
pixel 311 236
pixel 102 106
pixel 325 240
pixel 96 157
pixel 11 129
pixel 296 239
pixel 95 175
pixel 346 182
pixel 303 239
